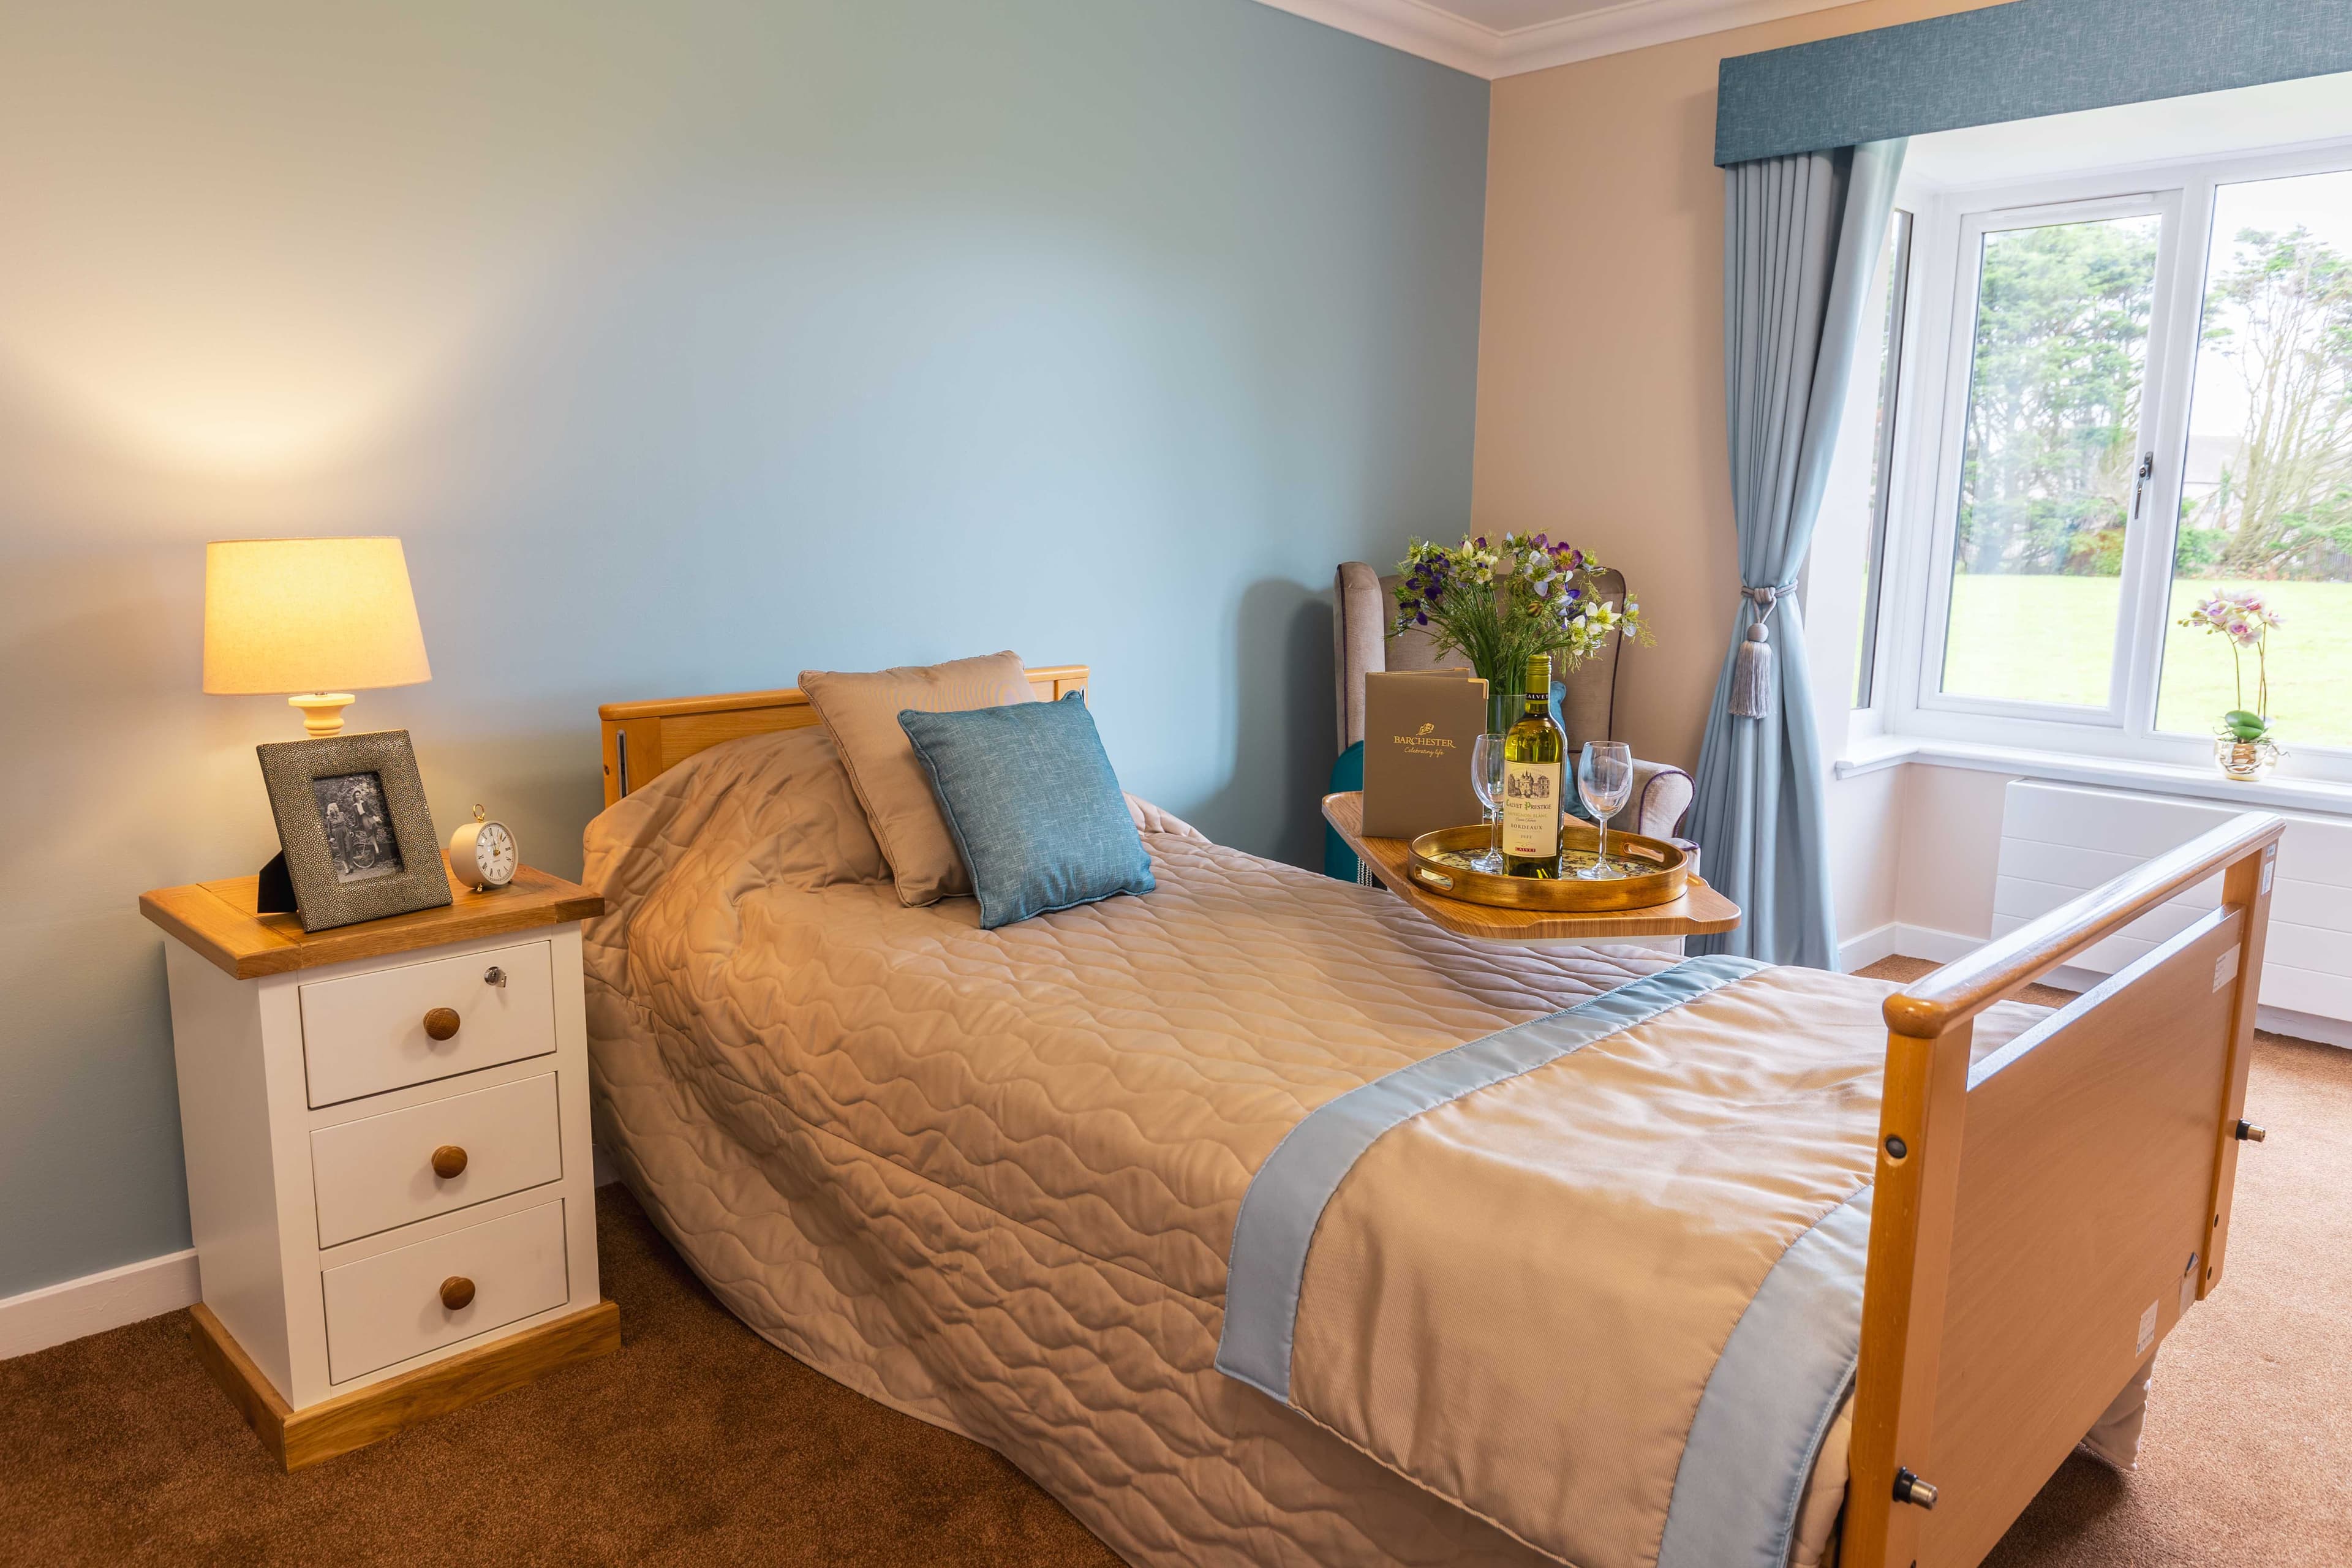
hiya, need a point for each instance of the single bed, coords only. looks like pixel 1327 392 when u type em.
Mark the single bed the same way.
pixel 992 1178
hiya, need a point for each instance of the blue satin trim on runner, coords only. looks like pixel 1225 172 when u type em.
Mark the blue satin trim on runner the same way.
pixel 1770 1401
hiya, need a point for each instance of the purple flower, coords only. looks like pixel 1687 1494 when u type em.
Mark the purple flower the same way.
pixel 1420 620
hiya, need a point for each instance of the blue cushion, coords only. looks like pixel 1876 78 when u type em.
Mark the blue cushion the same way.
pixel 1032 804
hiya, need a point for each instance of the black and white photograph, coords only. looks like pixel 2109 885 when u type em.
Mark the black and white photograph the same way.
pixel 360 839
pixel 354 827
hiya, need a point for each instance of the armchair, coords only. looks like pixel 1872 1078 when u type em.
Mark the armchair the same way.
pixel 1582 702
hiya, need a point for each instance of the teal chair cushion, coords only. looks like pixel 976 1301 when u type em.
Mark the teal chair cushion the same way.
pixel 1347 773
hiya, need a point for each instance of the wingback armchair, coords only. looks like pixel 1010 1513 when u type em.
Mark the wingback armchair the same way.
pixel 1582 702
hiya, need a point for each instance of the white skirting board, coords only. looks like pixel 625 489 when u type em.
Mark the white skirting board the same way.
pixel 1943 946
pixel 95 1302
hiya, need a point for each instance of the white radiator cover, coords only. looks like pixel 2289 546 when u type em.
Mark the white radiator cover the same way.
pixel 2059 841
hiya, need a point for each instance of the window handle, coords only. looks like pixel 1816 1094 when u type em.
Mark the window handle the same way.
pixel 2146 472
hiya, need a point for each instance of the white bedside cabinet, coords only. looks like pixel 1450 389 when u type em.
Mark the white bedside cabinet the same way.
pixel 389 1173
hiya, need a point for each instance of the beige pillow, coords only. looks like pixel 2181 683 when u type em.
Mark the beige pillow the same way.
pixel 862 711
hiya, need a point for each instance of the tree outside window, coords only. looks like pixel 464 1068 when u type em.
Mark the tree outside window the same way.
pixel 2268 493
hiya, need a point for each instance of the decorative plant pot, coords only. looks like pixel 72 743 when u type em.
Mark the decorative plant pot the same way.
pixel 2245 760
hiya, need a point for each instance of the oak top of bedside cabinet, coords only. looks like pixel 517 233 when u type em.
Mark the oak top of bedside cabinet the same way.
pixel 217 920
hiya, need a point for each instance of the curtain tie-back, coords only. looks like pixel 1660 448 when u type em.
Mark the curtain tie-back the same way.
pixel 1751 671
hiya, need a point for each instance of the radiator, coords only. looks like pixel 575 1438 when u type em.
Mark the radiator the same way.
pixel 2058 841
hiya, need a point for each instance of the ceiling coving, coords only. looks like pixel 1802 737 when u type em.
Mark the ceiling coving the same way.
pixel 1504 37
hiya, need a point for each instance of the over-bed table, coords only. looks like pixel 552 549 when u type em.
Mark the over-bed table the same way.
pixel 992 1178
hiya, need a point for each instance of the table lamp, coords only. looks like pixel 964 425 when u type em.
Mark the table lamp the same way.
pixel 321 618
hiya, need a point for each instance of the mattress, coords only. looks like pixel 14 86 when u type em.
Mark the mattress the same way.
pixel 991 1179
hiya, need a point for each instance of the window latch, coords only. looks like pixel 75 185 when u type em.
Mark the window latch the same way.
pixel 2146 472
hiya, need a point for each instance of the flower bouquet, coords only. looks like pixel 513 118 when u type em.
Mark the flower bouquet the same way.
pixel 2243 743
pixel 1499 604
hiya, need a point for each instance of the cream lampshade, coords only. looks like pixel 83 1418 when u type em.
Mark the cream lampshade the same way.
pixel 318 617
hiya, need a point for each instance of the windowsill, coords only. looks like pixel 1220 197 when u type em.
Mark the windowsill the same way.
pixel 1878 752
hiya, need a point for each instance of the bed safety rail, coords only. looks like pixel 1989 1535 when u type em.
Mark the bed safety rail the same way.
pixel 2043 1217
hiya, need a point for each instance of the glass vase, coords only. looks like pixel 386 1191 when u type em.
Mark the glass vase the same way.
pixel 1504 697
pixel 2245 760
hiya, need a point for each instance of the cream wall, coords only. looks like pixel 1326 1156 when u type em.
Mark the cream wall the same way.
pixel 1600 339
pixel 1601 417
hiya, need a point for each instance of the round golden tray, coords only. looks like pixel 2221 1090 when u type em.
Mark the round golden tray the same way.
pixel 1439 862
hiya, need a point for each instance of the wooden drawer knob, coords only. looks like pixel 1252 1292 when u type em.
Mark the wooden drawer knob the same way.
pixel 441 1022
pixel 448 1162
pixel 457 1294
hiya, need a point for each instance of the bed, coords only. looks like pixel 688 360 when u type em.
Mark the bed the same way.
pixel 993 1178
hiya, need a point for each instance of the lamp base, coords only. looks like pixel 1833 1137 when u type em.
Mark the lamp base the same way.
pixel 322 711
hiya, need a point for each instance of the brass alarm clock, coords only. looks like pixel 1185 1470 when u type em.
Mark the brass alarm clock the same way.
pixel 482 854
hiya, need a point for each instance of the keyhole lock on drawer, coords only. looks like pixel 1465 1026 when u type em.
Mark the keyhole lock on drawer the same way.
pixel 448 1162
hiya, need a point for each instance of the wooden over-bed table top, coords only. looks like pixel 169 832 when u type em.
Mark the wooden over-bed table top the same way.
pixel 1700 910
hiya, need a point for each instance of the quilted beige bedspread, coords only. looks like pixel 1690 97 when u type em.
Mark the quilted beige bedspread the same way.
pixel 991 1178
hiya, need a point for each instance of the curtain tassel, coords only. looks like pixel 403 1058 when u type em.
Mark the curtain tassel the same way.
pixel 1751 674
pixel 1751 670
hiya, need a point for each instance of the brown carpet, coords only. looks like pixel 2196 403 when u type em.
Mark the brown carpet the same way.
pixel 698 1443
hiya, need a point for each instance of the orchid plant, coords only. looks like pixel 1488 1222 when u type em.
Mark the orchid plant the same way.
pixel 2247 621
pixel 1499 604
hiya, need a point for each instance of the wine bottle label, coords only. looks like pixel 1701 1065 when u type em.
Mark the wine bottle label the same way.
pixel 1531 803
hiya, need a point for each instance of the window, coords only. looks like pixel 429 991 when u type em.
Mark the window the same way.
pixel 2050 455
pixel 2266 491
pixel 2129 394
pixel 1895 280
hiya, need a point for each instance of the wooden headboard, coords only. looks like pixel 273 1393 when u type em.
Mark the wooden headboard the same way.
pixel 642 740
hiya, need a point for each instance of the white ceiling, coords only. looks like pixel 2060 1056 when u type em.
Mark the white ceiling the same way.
pixel 1508 16
pixel 1505 37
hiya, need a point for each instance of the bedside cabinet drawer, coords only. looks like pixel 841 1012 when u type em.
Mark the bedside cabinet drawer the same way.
pixel 368 1033
pixel 395 1305
pixel 386 1171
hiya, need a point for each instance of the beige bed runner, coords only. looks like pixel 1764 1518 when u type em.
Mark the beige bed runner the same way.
pixel 1597 1278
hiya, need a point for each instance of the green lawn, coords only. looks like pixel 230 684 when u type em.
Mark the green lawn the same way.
pixel 2052 639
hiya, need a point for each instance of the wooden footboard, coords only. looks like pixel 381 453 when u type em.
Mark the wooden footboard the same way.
pixel 2044 1218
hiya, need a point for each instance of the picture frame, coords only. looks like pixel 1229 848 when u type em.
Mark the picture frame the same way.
pixel 353 825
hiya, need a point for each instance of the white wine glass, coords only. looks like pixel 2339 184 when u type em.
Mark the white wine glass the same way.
pixel 1604 778
pixel 1486 778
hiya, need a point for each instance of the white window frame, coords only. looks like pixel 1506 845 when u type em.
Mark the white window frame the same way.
pixel 1931 415
pixel 1894 315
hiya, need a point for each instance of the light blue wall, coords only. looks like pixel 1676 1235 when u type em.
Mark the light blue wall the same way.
pixel 686 345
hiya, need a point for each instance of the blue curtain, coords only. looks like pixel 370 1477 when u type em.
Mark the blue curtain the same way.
pixel 1802 236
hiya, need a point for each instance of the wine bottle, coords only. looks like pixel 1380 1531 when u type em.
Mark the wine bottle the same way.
pixel 1535 772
